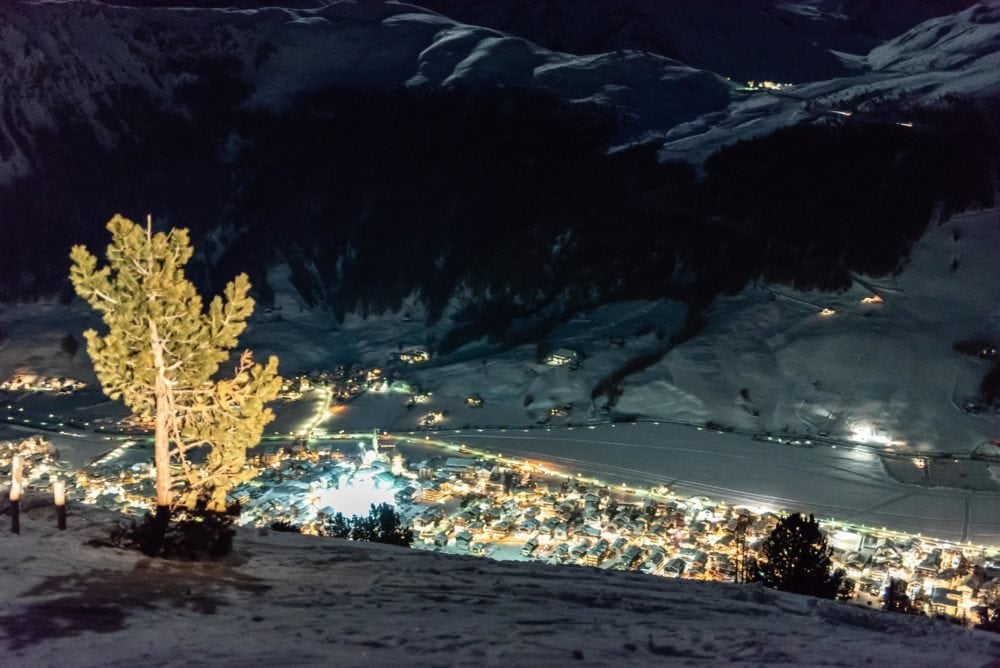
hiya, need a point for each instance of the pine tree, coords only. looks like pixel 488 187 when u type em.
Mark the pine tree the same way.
pixel 386 526
pixel 895 598
pixel 990 617
pixel 160 353
pixel 796 558
pixel 382 525
pixel 338 526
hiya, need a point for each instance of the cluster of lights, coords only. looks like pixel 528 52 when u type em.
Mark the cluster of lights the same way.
pixel 663 491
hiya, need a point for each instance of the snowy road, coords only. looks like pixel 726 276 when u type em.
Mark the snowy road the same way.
pixel 848 484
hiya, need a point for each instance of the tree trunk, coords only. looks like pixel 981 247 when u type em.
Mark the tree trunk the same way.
pixel 161 439
pixel 161 442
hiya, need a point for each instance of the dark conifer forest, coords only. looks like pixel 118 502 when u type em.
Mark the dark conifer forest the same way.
pixel 370 194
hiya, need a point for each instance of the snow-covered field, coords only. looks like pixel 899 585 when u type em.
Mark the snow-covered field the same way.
pixel 287 599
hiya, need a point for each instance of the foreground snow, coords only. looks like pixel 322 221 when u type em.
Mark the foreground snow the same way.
pixel 289 599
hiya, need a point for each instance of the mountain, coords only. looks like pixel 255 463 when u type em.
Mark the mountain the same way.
pixel 856 26
pixel 121 108
pixel 965 41
pixel 82 62
pixel 735 39
pixel 745 40
pixel 286 598
pixel 379 150
pixel 936 62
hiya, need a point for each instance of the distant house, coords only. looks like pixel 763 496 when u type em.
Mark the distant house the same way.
pixel 562 357
pixel 500 529
pixel 528 527
pixel 460 468
pixel 947 601
pixel 674 568
pixel 652 563
pixel 384 480
pixel 434 492
pixel 413 356
pixel 528 549
pixel 630 557
pixel 597 553
pixel 931 564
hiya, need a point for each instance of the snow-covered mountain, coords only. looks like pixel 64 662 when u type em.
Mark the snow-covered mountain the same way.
pixel 656 64
pixel 856 26
pixel 960 42
pixel 287 599
pixel 945 57
pixel 369 152
pixel 735 39
pixel 85 62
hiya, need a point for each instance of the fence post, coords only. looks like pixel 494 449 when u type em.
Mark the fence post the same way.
pixel 15 507
pixel 59 496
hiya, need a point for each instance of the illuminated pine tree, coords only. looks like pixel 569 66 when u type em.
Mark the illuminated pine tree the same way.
pixel 161 351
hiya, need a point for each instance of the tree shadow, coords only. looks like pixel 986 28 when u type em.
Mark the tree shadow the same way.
pixel 101 600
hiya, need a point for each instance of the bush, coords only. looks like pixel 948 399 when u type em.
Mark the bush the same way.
pixel 282 525
pixel 69 345
pixel 991 619
pixel 199 535
pixel 989 386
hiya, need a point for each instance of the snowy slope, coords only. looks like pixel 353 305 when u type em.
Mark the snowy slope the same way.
pixel 286 599
pixel 957 54
pixel 871 372
pixel 963 40
pixel 856 27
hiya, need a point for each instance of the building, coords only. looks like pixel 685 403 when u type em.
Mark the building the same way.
pixel 562 357
pixel 946 601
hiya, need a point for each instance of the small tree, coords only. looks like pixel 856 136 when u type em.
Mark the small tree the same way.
pixel 338 526
pixel 990 618
pixel 383 525
pixel 895 598
pixel 161 352
pixel 796 558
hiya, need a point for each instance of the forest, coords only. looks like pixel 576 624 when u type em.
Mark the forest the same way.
pixel 511 196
